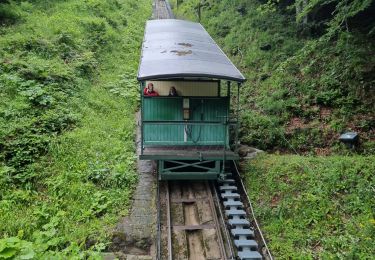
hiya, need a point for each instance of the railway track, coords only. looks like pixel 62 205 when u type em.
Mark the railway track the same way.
pixel 194 224
pixel 200 220
pixel 162 10
pixel 189 224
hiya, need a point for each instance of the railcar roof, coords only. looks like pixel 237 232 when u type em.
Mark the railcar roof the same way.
pixel 182 49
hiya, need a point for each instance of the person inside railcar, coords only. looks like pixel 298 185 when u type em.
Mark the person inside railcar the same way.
pixel 149 91
pixel 173 92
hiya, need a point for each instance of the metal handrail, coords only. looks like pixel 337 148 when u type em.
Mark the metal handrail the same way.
pixel 189 122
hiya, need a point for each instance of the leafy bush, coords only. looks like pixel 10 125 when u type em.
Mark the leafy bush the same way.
pixel 8 15
pixel 261 130
pixel 67 153
pixel 13 246
pixel 296 68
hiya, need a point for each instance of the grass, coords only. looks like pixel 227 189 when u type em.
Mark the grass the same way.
pixel 69 95
pixel 315 207
pixel 302 91
pixel 301 87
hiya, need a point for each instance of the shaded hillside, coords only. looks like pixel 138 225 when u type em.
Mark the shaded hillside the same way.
pixel 311 76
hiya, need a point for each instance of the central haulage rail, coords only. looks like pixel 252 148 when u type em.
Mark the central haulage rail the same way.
pixel 190 226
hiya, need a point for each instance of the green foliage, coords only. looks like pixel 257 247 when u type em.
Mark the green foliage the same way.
pixel 16 248
pixel 67 104
pixel 13 246
pixel 265 131
pixel 315 207
pixel 296 74
pixel 344 10
pixel 8 15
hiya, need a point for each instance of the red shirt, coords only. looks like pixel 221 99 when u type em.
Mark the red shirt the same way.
pixel 152 94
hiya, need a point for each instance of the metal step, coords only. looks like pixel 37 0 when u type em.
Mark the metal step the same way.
pixel 238 222
pixel 246 243
pixel 249 255
pixel 227 181
pixel 224 188
pixel 235 212
pixel 242 232
pixel 232 203
pixel 228 195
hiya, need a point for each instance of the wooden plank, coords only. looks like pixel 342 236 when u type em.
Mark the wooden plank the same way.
pixel 188 200
pixel 193 227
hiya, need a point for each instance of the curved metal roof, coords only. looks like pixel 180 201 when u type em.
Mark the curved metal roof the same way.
pixel 176 49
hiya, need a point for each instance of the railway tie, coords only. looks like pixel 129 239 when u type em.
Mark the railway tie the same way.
pixel 240 227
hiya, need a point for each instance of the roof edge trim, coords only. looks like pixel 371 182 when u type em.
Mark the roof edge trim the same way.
pixel 189 75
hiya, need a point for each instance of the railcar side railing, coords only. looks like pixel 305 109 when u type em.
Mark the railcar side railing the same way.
pixel 186 133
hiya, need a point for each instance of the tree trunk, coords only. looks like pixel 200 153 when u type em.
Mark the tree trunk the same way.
pixel 300 6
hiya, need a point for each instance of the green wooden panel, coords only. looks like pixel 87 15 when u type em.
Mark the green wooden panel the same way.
pixel 208 110
pixel 157 108
pixel 162 109
pixel 163 134
pixel 201 109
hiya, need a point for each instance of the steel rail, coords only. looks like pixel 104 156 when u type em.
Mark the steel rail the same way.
pixel 170 253
pixel 216 221
pixel 169 9
pixel 158 255
pixel 252 212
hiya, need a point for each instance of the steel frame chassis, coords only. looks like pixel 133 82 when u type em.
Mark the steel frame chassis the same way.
pixel 190 170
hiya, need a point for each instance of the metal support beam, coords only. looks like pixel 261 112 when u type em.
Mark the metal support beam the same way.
pixel 184 164
pixel 228 89
pixel 226 128
pixel 189 176
pixel 189 170
pixel 238 118
pixel 219 89
pixel 141 86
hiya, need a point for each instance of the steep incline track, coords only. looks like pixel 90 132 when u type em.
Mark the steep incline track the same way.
pixel 162 10
pixel 190 228
pixel 192 222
